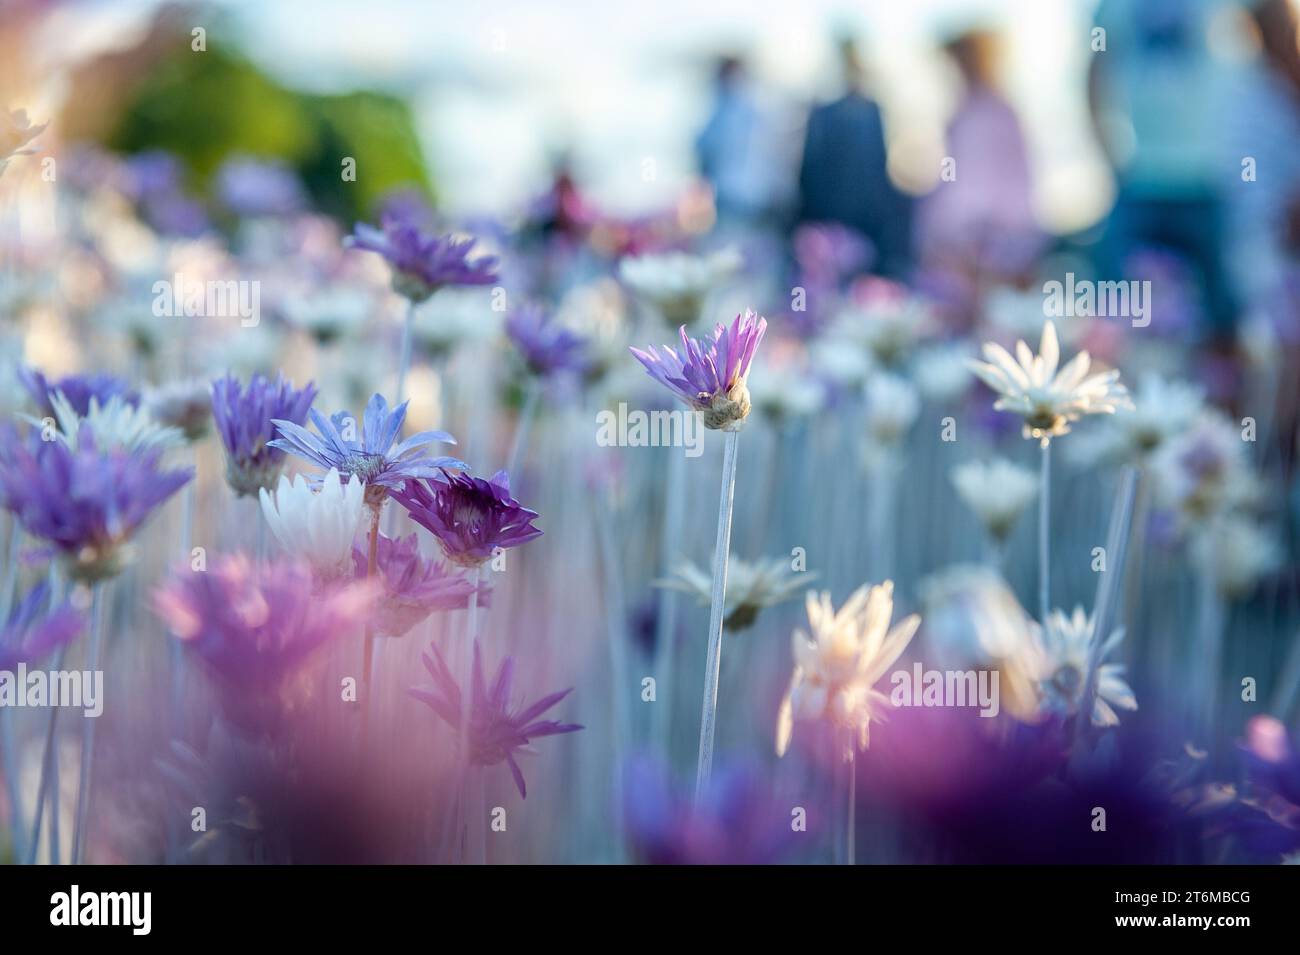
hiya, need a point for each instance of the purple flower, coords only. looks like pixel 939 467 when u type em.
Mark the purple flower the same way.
pixel 78 389
pixel 155 182
pixel 496 729
pixel 709 374
pixel 424 263
pixel 246 420
pixel 547 347
pixel 380 465
pixel 739 818
pixel 413 586
pixel 248 186
pixel 84 502
pixel 254 627
pixel 470 517
pixel 1267 816
pixel 27 636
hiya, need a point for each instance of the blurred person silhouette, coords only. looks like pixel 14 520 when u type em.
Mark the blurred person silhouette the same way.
pixel 982 218
pixel 734 149
pixel 1152 93
pixel 844 174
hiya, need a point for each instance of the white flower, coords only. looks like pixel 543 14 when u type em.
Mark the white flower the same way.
pixel 1161 410
pixel 1065 642
pixel 838 664
pixel 891 408
pixel 330 313
pixel 840 361
pixel 750 586
pixel 1047 398
pixel 889 329
pixel 997 491
pixel 942 372
pixel 1203 471
pixel 116 425
pixel 184 404
pixel 16 131
pixel 1234 551
pixel 454 315
pixel 318 526
pixel 1015 313
pixel 677 283
pixel 781 392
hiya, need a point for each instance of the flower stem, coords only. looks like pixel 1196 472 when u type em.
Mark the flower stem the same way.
pixel 95 648
pixel 404 353
pixel 713 664
pixel 466 702
pixel 851 828
pixel 372 561
pixel 9 750
pixel 1044 532
pixel 665 624
pixel 524 424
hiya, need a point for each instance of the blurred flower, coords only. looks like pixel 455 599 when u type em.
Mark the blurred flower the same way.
pixel 891 409
pixel 1234 551
pixel 1031 386
pixel 677 283
pixel 1203 470
pixel 16 132
pixel 829 252
pixel 546 346
pixel 782 392
pixel 78 389
pixel 330 312
pixel 115 425
pixel 316 525
pixel 247 420
pixel 381 465
pixel 497 727
pixel 996 491
pixel 1065 642
pixel 1161 411
pixel 751 587
pixel 258 187
pixel 412 586
pixel 1267 815
pixel 29 634
pixel 441 324
pixel 87 503
pixel 837 666
pixel 470 517
pixel 422 263
pixel 184 404
pixel 888 324
pixel 738 819
pixel 710 374
pixel 942 372
pixel 254 626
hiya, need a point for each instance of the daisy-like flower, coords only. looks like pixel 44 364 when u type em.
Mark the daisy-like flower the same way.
pixel 330 313
pixel 1203 471
pixel 85 502
pixel 838 664
pixel 381 465
pixel 784 393
pixel 255 626
pixel 547 347
pixel 1234 551
pixel 30 634
pixel 677 283
pixel 471 517
pixel 78 389
pixel 710 374
pixel 316 525
pixel 185 404
pixel 751 587
pixel 116 426
pixel 1162 410
pixel 498 727
pixel 1065 642
pixel 997 492
pixel 1046 398
pixel 889 324
pixel 16 133
pixel 942 372
pixel 892 405
pixel 424 263
pixel 246 419
pixel 412 586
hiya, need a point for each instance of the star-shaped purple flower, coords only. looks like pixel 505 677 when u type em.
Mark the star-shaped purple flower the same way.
pixel 246 420
pixel 412 586
pixel 27 636
pixel 496 730
pixel 470 517
pixel 709 374
pixel 547 347
pixel 381 465
pixel 78 389
pixel 424 263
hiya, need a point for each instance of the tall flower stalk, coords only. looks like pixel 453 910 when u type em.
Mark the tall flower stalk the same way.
pixel 93 653
pixel 709 375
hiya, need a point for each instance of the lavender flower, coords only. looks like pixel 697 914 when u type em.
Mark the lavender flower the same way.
pixel 254 627
pixel 87 503
pixel 738 819
pixel 709 375
pixel 380 465
pixel 78 389
pixel 27 636
pixel 470 517
pixel 424 263
pixel 496 730
pixel 258 187
pixel 547 347
pixel 247 419
pixel 413 586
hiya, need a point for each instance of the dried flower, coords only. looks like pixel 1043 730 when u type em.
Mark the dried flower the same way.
pixel 470 517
